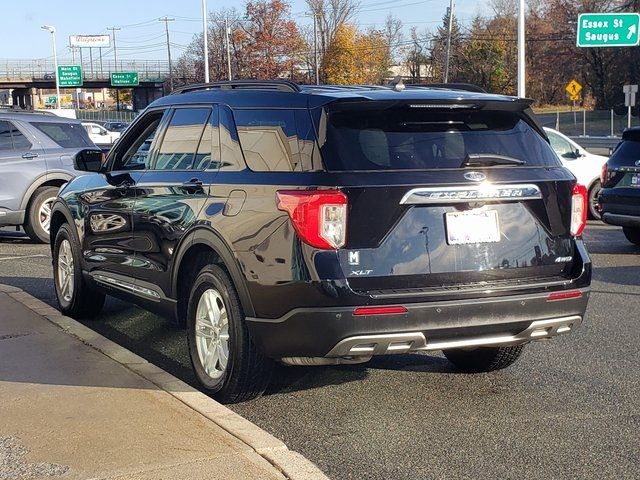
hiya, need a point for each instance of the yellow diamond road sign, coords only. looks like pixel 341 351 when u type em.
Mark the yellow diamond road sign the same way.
pixel 573 88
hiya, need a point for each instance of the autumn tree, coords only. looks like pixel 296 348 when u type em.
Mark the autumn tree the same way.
pixel 356 58
pixel 273 40
pixel 416 56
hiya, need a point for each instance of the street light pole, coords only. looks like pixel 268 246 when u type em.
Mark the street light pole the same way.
pixel 226 37
pixel 52 30
pixel 315 47
pixel 206 41
pixel 521 51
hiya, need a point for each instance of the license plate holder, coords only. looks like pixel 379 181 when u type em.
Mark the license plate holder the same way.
pixel 472 226
pixel 635 179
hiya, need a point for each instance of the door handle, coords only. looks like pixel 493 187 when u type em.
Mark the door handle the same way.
pixel 29 155
pixel 193 184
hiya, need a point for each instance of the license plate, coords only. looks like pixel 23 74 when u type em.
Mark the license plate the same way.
pixel 474 226
pixel 635 180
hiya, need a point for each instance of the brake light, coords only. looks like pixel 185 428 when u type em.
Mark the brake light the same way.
pixel 386 310
pixel 566 295
pixel 318 216
pixel 603 174
pixel 579 199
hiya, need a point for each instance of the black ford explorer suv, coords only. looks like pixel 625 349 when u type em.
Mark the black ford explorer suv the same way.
pixel 317 225
pixel 619 199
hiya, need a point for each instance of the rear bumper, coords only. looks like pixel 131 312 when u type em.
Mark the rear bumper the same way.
pixel 630 221
pixel 333 332
pixel 11 217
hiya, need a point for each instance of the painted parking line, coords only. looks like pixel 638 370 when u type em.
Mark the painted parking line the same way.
pixel 22 256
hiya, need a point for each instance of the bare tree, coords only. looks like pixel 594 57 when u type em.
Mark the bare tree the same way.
pixel 330 15
pixel 393 35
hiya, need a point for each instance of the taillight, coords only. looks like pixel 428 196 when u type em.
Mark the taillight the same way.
pixel 318 216
pixel 603 174
pixel 564 295
pixel 579 199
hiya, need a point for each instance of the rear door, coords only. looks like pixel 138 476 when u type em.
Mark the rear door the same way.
pixel 172 192
pixel 21 163
pixel 444 197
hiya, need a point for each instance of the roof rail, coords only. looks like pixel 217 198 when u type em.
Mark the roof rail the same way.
pixel 467 87
pixel 277 85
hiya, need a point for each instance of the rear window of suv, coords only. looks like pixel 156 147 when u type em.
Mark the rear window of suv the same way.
pixel 627 152
pixel 414 138
pixel 67 135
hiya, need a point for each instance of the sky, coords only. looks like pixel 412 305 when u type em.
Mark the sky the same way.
pixel 142 36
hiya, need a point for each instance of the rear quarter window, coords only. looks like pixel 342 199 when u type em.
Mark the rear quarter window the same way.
pixel 67 135
pixel 411 138
pixel 277 140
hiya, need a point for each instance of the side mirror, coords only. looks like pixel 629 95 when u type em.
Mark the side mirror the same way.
pixel 572 155
pixel 88 160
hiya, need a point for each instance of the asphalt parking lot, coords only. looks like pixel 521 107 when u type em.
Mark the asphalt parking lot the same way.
pixel 569 408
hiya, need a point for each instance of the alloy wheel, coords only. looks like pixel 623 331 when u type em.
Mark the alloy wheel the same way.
pixel 44 213
pixel 66 275
pixel 212 333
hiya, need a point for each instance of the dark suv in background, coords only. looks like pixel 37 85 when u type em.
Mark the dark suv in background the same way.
pixel 620 195
pixel 317 225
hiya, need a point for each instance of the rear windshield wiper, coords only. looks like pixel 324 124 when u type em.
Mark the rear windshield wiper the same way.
pixel 488 159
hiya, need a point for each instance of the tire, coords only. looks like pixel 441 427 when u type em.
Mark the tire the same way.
pixel 39 214
pixel 632 234
pixel 594 214
pixel 79 301
pixel 247 372
pixel 483 359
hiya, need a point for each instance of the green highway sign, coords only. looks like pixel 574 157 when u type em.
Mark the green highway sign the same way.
pixel 608 30
pixel 51 99
pixel 69 75
pixel 124 79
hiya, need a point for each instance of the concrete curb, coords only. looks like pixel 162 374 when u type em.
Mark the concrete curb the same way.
pixel 292 464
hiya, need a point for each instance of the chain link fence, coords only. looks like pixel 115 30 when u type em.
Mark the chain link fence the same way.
pixel 591 123
pixel 106 115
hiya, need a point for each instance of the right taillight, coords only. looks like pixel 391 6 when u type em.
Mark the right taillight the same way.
pixel 318 216
pixel 603 174
pixel 579 199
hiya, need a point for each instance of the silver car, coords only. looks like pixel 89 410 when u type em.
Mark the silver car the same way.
pixel 36 159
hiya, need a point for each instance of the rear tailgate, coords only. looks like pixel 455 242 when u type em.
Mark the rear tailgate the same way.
pixel 419 218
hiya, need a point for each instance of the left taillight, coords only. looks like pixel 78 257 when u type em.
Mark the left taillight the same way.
pixel 579 199
pixel 318 216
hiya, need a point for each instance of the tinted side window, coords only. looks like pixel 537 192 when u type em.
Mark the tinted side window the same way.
pixel 133 151
pixel 269 140
pixel 67 135
pixel 208 154
pixel 20 142
pixel 230 153
pixel 5 136
pixel 182 138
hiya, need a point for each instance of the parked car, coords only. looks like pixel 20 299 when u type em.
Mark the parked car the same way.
pixel 316 225
pixel 584 165
pixel 36 159
pixel 116 126
pixel 620 194
pixel 99 134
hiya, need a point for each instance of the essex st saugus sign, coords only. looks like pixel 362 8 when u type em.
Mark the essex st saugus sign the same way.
pixel 608 30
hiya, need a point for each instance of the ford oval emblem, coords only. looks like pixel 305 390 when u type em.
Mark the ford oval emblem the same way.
pixel 637 163
pixel 475 176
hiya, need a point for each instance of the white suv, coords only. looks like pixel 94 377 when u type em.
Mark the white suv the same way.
pixel 584 165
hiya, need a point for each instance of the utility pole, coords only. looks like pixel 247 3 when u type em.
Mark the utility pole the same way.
pixel 315 47
pixel 447 57
pixel 521 47
pixel 226 37
pixel 206 41
pixel 115 48
pixel 166 21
